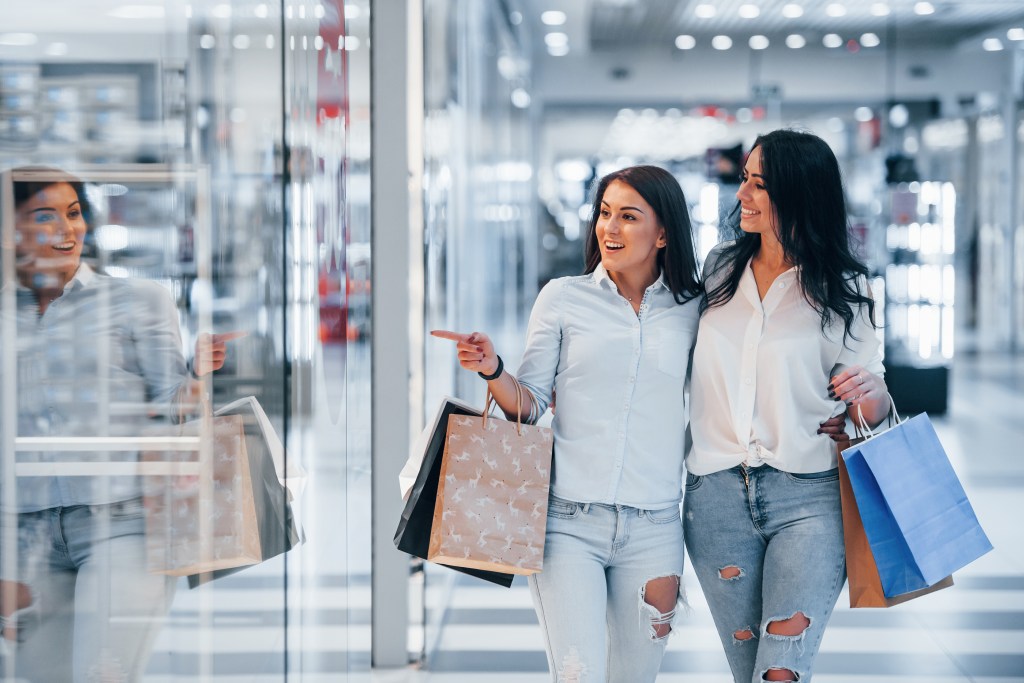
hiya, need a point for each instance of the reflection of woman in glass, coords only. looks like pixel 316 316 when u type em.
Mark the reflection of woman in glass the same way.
pixel 97 356
pixel 786 340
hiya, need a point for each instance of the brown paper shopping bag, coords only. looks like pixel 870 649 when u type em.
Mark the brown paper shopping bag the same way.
pixel 865 582
pixel 208 522
pixel 492 497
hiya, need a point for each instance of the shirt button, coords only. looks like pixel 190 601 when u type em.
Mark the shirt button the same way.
pixel 747 381
pixel 782 285
pixel 632 379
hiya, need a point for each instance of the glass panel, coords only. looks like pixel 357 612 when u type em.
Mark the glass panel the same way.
pixel 206 174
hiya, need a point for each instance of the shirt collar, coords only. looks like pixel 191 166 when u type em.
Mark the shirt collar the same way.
pixel 84 277
pixel 602 279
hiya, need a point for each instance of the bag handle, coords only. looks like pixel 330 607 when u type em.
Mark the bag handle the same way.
pixel 860 425
pixel 490 402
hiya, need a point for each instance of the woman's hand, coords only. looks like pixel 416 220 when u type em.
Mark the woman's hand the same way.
pixel 212 351
pixel 835 427
pixel 476 352
pixel 860 389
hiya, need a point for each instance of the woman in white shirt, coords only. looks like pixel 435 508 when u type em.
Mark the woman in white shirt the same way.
pixel 614 344
pixel 786 340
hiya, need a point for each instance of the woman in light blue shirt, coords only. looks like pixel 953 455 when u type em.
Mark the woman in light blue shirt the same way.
pixel 614 345
pixel 96 356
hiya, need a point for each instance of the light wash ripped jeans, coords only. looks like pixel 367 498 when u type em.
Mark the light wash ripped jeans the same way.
pixel 767 546
pixel 590 596
pixel 97 608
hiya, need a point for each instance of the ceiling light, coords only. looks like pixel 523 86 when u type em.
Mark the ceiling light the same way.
pixel 137 12
pixel 870 40
pixel 269 42
pixel 221 11
pixel 516 18
pixel 749 11
pixel 520 98
pixel 552 17
pixel 318 11
pixel 352 12
pixel 924 8
pixel 241 42
pixel 836 9
pixel 704 11
pixel 792 11
pixel 899 116
pixel 558 50
pixel 556 39
pixel 758 42
pixel 262 11
pixel 18 39
pixel 744 115
pixel 831 40
pixel 992 44
pixel 880 9
pixel 352 43
pixel 685 42
pixel 795 41
pixel 318 42
pixel 1015 34
pixel 721 42
pixel 207 42
pixel 57 49
pixel 863 114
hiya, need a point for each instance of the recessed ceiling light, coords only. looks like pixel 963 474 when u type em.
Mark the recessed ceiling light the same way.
pixel 57 49
pixel 924 8
pixel 721 42
pixel 1015 34
pixel 207 42
pixel 704 11
pixel 18 39
pixel 863 114
pixel 352 43
pixel 792 10
pixel 758 42
pixel 242 42
pixel 556 39
pixel 558 50
pixel 836 9
pixel 520 98
pixel 870 40
pixel 353 12
pixel 137 12
pixel 880 9
pixel 899 115
pixel 262 11
pixel 831 40
pixel 553 17
pixel 992 44
pixel 795 41
pixel 749 11
pixel 221 11
pixel 685 42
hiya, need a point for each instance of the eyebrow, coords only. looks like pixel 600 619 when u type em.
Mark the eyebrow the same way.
pixel 47 208
pixel 625 208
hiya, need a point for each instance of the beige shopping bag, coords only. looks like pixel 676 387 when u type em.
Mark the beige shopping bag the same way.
pixel 492 498
pixel 208 522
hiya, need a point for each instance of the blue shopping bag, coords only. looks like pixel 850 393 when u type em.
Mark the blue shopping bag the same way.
pixel 917 518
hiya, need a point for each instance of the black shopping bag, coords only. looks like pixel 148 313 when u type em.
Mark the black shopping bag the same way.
pixel 279 531
pixel 413 533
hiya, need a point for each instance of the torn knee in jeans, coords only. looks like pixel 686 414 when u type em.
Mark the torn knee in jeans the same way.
pixel 572 668
pixel 730 573
pixel 779 674
pixel 792 627
pixel 743 634
pixel 658 599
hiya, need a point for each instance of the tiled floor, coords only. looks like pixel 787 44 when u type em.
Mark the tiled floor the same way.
pixel 973 632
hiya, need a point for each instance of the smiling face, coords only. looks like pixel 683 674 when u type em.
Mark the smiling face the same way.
pixel 51 230
pixel 629 234
pixel 757 214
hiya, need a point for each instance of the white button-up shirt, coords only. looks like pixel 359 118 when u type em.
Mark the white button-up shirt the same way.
pixel 761 371
pixel 619 378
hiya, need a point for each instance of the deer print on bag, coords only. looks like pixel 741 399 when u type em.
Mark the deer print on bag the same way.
pixel 463 456
pixel 506 447
pixel 497 483
pixel 472 514
pixel 454 536
pixel 512 509
pixel 449 479
pixel 535 512
pixel 457 496
pixel 492 463
pixel 473 481
pixel 499 522
pixel 481 542
pixel 516 465
pixel 477 439
pixel 522 487
pixel 483 502
pixel 464 421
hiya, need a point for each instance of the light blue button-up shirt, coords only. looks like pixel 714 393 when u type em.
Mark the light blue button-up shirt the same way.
pixel 129 327
pixel 619 380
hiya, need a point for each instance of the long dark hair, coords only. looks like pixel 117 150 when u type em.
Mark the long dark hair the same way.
pixel 677 259
pixel 803 181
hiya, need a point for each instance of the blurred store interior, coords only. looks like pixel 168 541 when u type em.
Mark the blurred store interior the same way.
pixel 338 177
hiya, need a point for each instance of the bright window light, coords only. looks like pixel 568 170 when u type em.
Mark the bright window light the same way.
pixel 792 10
pixel 704 11
pixel 721 42
pixel 836 9
pixel 556 39
pixel 1015 34
pixel 553 17
pixel 870 40
pixel 758 42
pixel 880 9
pixel 924 8
pixel 992 45
pixel 749 11
pixel 685 42
pixel 832 40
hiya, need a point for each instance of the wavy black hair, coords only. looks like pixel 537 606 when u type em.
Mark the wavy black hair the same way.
pixel 801 175
pixel 677 259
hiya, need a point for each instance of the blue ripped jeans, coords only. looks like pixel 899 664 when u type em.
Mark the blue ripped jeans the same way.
pixel 590 597
pixel 767 546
